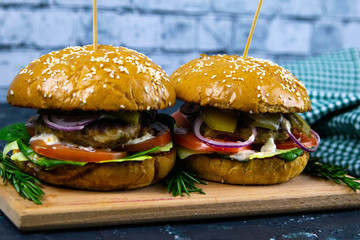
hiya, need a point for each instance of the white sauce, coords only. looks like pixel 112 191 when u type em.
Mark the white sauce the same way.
pixel 145 137
pixel 48 138
pixel 243 155
pixel 269 146
pixel 51 139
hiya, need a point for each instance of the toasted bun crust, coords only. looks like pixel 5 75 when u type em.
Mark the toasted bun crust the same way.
pixel 249 85
pixel 254 172
pixel 106 176
pixel 110 79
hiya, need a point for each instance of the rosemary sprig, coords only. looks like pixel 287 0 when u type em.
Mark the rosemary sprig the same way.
pixel 181 181
pixel 27 186
pixel 331 172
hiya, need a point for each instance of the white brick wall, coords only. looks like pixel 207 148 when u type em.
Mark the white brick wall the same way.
pixel 350 33
pixel 302 8
pixel 180 6
pixel 141 31
pixel 52 28
pixel 242 28
pixel 179 33
pixel 173 32
pixel 327 36
pixel 289 37
pixel 11 61
pixel 214 33
pixel 14 28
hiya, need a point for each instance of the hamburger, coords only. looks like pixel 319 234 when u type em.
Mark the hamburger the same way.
pixel 240 123
pixel 96 127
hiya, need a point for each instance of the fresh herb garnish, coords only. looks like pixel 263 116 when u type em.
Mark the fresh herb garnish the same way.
pixel 27 186
pixel 331 172
pixel 181 181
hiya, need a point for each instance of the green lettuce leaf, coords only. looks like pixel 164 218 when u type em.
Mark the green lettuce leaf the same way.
pixel 291 155
pixel 14 132
pixel 27 154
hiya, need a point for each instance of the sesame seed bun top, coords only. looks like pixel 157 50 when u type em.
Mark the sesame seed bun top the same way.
pixel 249 85
pixel 78 78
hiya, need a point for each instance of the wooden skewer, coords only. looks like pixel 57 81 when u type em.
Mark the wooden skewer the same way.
pixel 95 25
pixel 252 29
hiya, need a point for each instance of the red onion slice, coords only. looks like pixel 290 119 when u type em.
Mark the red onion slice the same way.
pixel 287 127
pixel 223 144
pixel 76 120
pixel 53 125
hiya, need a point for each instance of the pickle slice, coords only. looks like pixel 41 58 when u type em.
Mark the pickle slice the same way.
pixel 219 119
pixel 264 120
pixel 298 123
pixel 127 116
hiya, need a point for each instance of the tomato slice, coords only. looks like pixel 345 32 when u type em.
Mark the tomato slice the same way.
pixel 186 138
pixel 160 140
pixel 63 152
pixel 308 142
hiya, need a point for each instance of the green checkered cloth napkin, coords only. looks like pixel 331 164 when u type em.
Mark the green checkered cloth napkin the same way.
pixel 333 84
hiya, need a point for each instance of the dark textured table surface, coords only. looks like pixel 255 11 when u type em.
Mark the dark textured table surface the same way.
pixel 330 225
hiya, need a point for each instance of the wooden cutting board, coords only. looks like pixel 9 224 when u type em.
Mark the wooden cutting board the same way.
pixel 66 208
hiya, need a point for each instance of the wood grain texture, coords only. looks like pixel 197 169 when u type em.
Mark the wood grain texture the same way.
pixel 67 208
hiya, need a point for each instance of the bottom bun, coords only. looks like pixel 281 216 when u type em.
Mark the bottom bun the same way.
pixel 106 176
pixel 254 172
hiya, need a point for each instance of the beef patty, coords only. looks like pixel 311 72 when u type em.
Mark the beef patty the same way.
pixel 104 133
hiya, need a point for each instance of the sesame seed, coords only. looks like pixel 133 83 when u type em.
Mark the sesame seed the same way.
pixel 259 95
pixel 74 95
pixel 11 92
pixel 213 76
pixel 122 106
pixel 104 86
pixel 24 70
pixel 148 108
pixel 258 87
